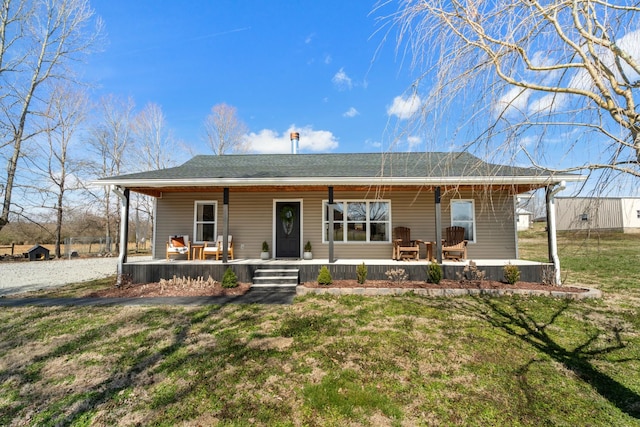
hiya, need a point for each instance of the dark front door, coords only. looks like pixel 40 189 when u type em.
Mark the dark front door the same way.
pixel 287 229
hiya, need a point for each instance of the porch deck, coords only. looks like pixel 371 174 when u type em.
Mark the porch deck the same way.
pixel 145 270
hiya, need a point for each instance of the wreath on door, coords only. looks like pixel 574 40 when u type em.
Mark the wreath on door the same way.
pixel 287 217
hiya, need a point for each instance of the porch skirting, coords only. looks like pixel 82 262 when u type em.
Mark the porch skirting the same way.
pixel 245 270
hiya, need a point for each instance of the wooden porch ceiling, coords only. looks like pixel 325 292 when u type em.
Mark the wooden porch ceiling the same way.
pixel 157 192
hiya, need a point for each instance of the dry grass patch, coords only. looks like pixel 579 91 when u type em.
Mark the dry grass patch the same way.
pixel 275 343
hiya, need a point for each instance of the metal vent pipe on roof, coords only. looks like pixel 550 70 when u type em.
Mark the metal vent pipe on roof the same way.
pixel 295 139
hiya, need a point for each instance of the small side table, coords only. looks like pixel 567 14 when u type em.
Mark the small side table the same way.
pixel 429 246
pixel 197 251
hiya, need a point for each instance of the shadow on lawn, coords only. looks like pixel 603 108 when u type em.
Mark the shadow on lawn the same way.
pixel 137 365
pixel 518 323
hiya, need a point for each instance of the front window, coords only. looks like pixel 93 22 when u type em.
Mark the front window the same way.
pixel 463 215
pixel 205 221
pixel 358 221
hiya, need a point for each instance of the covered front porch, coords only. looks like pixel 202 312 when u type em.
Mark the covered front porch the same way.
pixel 148 271
pixel 346 206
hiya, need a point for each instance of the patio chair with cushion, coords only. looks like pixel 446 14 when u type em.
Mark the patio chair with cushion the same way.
pixel 454 246
pixel 179 245
pixel 215 248
pixel 403 246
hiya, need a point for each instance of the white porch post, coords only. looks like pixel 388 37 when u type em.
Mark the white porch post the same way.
pixel 124 229
pixel 551 191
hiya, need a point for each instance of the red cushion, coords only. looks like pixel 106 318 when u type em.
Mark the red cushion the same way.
pixel 177 242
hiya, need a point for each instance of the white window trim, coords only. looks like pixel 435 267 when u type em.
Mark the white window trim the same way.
pixel 344 222
pixel 195 218
pixel 473 212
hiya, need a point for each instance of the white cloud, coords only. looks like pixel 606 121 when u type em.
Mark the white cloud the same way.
pixel 528 141
pixel 269 141
pixel 341 80
pixel 549 103
pixel 630 43
pixel 514 101
pixel 523 101
pixel 414 142
pixel 404 108
pixel 375 144
pixel 542 59
pixel 327 59
pixel 351 112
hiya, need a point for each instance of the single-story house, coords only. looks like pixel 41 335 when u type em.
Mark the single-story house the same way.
pixel 599 213
pixel 345 205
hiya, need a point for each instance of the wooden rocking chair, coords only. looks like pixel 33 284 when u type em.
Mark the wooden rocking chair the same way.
pixel 178 245
pixel 454 247
pixel 215 248
pixel 403 246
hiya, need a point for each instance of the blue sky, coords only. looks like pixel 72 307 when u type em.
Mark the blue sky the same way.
pixel 319 68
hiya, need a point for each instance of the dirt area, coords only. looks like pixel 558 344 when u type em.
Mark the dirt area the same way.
pixel 171 289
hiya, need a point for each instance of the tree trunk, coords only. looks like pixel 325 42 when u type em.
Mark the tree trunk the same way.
pixel 59 226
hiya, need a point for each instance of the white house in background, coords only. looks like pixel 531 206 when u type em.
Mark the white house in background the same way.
pixel 523 219
pixel 598 213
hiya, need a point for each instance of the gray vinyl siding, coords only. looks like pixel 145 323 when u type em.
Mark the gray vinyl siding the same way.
pixel 495 224
pixel 251 221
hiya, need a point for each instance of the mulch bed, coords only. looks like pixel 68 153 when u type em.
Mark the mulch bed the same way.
pixel 180 290
pixel 169 290
pixel 445 284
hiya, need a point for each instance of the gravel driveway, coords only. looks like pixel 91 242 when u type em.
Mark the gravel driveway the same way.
pixel 16 277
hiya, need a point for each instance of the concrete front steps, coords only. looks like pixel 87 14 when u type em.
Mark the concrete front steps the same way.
pixel 276 278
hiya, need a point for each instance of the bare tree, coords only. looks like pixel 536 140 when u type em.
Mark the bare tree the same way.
pixel 155 148
pixel 224 131
pixel 65 113
pixel 530 73
pixel 110 138
pixel 155 143
pixel 39 39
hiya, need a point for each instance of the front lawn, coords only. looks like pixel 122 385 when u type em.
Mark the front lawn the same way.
pixel 352 360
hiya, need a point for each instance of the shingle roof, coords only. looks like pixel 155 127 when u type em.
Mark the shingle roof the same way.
pixel 206 173
pixel 366 165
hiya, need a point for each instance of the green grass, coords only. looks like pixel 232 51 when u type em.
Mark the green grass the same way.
pixel 353 360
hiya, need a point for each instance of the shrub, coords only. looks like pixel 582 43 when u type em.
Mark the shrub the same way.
pixel 396 276
pixel 511 273
pixel 434 273
pixel 361 273
pixel 229 280
pixel 265 246
pixel 307 246
pixel 324 277
pixel 471 272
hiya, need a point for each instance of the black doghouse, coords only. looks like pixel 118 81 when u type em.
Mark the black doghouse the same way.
pixel 37 253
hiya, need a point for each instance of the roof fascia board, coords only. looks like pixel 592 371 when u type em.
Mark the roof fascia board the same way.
pixel 240 182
